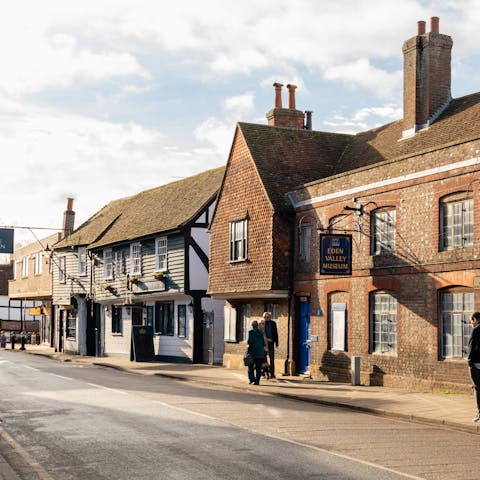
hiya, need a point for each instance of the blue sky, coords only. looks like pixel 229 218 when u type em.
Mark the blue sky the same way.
pixel 103 99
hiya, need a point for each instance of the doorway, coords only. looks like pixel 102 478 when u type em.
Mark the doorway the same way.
pixel 304 335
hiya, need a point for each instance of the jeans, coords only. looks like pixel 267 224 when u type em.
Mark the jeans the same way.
pixel 475 376
pixel 255 370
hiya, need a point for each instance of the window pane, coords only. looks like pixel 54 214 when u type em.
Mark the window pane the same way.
pixel 384 323
pixel 456 310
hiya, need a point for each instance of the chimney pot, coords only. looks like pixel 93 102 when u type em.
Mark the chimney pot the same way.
pixel 435 25
pixel 308 119
pixel 291 96
pixel 421 27
pixel 278 94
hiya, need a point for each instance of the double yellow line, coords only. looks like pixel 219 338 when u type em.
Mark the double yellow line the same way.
pixel 31 461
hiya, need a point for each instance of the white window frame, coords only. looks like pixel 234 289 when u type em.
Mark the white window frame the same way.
pixel 338 326
pixel 38 263
pixel 239 240
pixel 383 320
pixel 108 264
pixel 118 263
pixel 456 308
pixel 62 269
pixel 456 223
pixel 25 266
pixel 383 231
pixel 135 258
pixel 82 261
pixel 161 254
pixel 230 324
pixel 304 239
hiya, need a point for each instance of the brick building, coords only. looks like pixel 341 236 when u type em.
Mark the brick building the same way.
pixel 253 225
pixel 408 194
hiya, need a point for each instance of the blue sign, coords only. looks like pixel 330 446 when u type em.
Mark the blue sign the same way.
pixel 6 240
pixel 335 254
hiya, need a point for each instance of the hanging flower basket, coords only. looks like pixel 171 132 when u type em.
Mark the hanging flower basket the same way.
pixel 107 286
pixel 133 279
pixel 159 275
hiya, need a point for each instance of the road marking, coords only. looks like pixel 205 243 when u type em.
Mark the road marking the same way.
pixel 61 376
pixel 294 442
pixel 39 470
pixel 5 361
pixel 30 368
pixel 107 388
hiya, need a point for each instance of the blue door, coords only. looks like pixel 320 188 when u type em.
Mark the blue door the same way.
pixel 304 335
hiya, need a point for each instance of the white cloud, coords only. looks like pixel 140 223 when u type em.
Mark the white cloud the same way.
pixel 361 73
pixel 364 119
pixel 54 155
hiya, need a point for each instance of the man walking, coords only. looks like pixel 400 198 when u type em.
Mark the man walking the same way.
pixel 474 359
pixel 271 333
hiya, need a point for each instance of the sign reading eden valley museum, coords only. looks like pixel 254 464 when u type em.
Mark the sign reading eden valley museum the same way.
pixel 335 254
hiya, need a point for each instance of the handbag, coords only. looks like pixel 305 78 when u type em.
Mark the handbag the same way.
pixel 248 359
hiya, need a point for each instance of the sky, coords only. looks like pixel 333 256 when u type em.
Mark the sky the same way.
pixel 103 99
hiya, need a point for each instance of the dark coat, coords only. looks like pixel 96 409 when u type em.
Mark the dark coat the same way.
pixel 271 331
pixel 256 344
pixel 474 347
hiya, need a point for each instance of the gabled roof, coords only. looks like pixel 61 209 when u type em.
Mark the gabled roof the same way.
pixel 287 157
pixel 458 123
pixel 153 211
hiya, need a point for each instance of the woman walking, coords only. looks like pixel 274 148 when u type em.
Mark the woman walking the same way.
pixel 256 347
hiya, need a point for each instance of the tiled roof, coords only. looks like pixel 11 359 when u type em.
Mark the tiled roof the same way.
pixel 287 157
pixel 458 123
pixel 157 210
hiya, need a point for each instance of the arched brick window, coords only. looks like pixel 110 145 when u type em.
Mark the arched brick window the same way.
pixel 456 221
pixel 455 308
pixel 383 230
pixel 383 322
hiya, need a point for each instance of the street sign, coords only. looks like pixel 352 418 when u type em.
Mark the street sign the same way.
pixel 335 254
pixel 6 240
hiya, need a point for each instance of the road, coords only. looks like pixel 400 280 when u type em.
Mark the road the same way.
pixel 69 421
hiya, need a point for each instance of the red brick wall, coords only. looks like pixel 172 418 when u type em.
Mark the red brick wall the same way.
pixel 416 272
pixel 243 196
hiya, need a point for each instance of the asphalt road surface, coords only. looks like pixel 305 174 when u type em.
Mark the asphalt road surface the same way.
pixel 67 421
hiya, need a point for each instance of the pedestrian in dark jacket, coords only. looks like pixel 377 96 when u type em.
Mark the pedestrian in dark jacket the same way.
pixel 256 349
pixel 474 359
pixel 271 333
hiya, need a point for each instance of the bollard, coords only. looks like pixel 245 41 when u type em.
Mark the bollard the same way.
pixel 12 339
pixel 23 343
pixel 355 371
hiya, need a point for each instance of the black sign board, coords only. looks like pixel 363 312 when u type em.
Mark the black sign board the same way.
pixel 335 254
pixel 6 240
pixel 142 343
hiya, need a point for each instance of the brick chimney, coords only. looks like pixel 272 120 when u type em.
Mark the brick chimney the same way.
pixel 285 117
pixel 68 219
pixel 426 77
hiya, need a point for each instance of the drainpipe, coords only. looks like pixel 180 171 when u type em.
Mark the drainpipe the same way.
pixel 290 295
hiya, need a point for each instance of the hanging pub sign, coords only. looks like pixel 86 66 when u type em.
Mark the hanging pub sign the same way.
pixel 6 240
pixel 335 254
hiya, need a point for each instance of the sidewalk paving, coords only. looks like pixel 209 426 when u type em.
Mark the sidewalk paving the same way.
pixel 440 409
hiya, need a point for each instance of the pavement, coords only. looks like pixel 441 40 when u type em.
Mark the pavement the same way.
pixel 440 408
